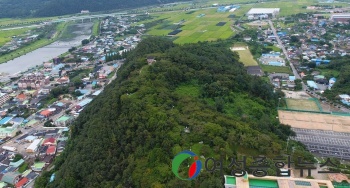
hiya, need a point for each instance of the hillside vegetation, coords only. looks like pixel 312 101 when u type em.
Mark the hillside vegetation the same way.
pixel 128 136
pixel 21 8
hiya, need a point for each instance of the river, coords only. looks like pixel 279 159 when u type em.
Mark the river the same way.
pixel 46 53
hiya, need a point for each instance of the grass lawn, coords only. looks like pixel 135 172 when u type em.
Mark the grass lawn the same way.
pixel 96 28
pixel 23 167
pixel 5 22
pixel 6 36
pixel 276 69
pixel 274 48
pixel 245 56
pixel 328 72
pixel 302 104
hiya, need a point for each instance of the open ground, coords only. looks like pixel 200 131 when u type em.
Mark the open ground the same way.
pixel 305 120
pixel 244 54
pixel 303 104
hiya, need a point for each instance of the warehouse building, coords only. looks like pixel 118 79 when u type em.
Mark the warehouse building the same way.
pixel 340 17
pixel 262 13
pixel 33 147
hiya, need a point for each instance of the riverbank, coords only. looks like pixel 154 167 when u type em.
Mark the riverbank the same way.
pixel 44 53
pixel 35 45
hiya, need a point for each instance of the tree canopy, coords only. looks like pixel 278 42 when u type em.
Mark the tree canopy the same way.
pixel 129 134
pixel 42 8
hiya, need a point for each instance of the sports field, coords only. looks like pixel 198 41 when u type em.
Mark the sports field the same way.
pixel 244 54
pixel 201 25
pixel 303 104
pixel 305 120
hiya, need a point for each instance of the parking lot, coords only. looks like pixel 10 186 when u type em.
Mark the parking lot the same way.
pixel 325 143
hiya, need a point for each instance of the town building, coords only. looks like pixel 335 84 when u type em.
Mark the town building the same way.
pixel 34 81
pixel 11 177
pixel 38 166
pixel 254 70
pixel 22 182
pixel 261 13
pixel 51 150
pixel 33 147
pixel 340 17
pixel 49 141
pixel 4 97
pixel 64 121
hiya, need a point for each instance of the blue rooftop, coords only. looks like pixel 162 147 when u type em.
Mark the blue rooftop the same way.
pixel 97 92
pixel 275 63
pixel 60 104
pixel 18 120
pixel 85 102
pixel 5 120
pixel 83 91
pixel 312 84
pixel 291 78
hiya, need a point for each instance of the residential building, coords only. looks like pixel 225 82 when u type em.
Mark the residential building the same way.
pixel 4 97
pixel 63 80
pixel 49 141
pixel 51 150
pixel 22 182
pixel 34 81
pixel 21 97
pixel 8 131
pixel 38 166
pixel 11 177
pixel 64 121
pixel 17 164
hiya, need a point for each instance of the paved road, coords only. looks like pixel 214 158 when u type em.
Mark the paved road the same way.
pixel 295 72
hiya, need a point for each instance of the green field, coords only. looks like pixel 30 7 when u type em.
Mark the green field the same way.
pixel 6 36
pixel 194 28
pixel 303 104
pixel 96 28
pixel 245 56
pixel 276 69
pixel 7 22
pixel 33 46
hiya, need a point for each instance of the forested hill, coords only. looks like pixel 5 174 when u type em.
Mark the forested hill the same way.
pixel 128 136
pixel 23 8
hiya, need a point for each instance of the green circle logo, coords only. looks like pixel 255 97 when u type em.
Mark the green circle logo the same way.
pixel 194 169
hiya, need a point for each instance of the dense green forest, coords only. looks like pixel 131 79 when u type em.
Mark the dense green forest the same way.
pixel 42 8
pixel 128 136
pixel 342 85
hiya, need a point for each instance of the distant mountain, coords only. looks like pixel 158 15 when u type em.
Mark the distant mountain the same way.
pixel 42 8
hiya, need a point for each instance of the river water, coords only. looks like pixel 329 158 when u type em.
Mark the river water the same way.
pixel 46 53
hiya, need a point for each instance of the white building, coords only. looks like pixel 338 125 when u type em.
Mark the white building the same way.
pixel 256 13
pixel 340 17
pixel 4 97
pixel 33 146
